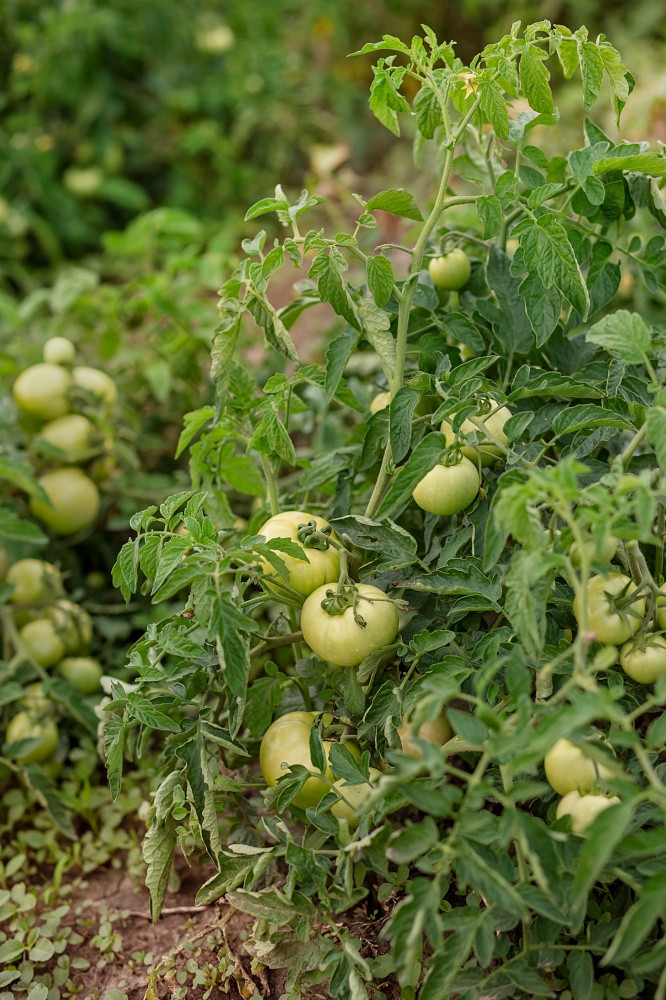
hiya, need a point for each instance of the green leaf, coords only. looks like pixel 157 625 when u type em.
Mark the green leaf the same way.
pixel 199 781
pixel 424 458
pixel 602 836
pixel 377 331
pixel 581 972
pixel 158 848
pixel 574 418
pixel 649 163
pixel 146 713
pixel 327 269
pixel 385 101
pixel 224 345
pixel 401 412
pixel 467 726
pixel 14 529
pixel 621 81
pixel 548 253
pixel 344 765
pixel 534 77
pixel 193 423
pixel 529 583
pixel 623 334
pixel 267 319
pixel 397 201
pixel 114 736
pixel 338 354
pixel 489 208
pixel 428 111
pixel 542 305
pixel 231 628
pixel 567 51
pixel 592 70
pixel 494 107
pixel 53 798
pixel 381 280
pixel 656 433
pixel 638 921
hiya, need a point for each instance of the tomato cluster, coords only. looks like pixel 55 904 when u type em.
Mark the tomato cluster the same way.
pixel 49 633
pixel 65 408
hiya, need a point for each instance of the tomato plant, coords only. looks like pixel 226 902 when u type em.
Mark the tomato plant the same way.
pixel 501 605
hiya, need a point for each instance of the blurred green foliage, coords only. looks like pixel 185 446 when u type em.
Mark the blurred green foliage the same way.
pixel 112 107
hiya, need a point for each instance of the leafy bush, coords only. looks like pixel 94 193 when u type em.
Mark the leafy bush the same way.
pixel 516 594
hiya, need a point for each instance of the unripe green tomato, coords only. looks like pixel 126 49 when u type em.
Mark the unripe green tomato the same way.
pixel 603 554
pixel 42 391
pixel 83 672
pixel 380 402
pixel 34 581
pixel 437 731
pixel 486 451
pixel 42 642
pixel 287 741
pixel 611 627
pixel 583 809
pixel 23 727
pixel 661 613
pixel 96 382
pixel 355 797
pixel 340 639
pixel 73 624
pixel 644 661
pixel 58 351
pixel 83 181
pixel 72 434
pixel 323 565
pixel 568 769
pixel 448 489
pixel 96 580
pixel 75 501
pixel 451 271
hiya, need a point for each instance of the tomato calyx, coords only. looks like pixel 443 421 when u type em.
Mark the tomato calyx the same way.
pixel 338 601
pixel 313 537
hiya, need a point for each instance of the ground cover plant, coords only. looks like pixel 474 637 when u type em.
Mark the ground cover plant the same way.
pixel 409 707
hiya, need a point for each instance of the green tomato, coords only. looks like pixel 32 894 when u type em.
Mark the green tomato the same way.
pixel 75 501
pixel 287 741
pixel 73 434
pixel 58 351
pixel 33 699
pixel 339 638
pixel 583 809
pixel 34 581
pixel 380 402
pixel 611 627
pixel 569 769
pixel 661 613
pixel 323 565
pixel 448 489
pixel 83 672
pixel 355 797
pixel 83 181
pixel 601 554
pixel 42 391
pixel 42 642
pixel 451 271
pixel 485 451
pixel 24 726
pixel 644 661
pixel 437 731
pixel 73 624
pixel 97 383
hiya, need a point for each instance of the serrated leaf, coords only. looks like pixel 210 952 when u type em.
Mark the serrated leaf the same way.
pixel 338 354
pixel 401 412
pixel 193 423
pixel 381 279
pixel 158 848
pixel 489 208
pixel 592 70
pixel 656 433
pixel 494 107
pixel 267 318
pixel 548 253
pixel 623 334
pixel 534 77
pixel 397 201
